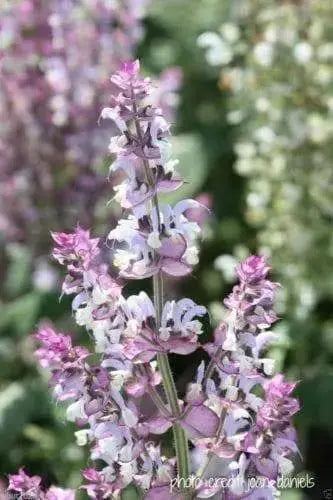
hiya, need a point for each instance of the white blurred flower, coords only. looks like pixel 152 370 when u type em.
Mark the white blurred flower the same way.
pixel 279 163
pixel 44 277
pixel 245 149
pixel 256 200
pixel 243 166
pixel 226 264
pixel 263 53
pixel 271 34
pixel 303 52
pixel 235 117
pixel 265 134
pixel 262 104
pixel 217 51
pixel 230 32
pixel 236 78
pixel 318 129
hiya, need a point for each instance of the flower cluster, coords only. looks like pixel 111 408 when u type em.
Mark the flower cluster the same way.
pixel 235 416
pixel 152 238
pixel 255 437
pixel 108 419
pixel 30 487
pixel 279 79
pixel 55 57
pixel 55 61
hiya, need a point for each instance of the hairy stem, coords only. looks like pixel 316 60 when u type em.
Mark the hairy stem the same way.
pixel 211 365
pixel 181 442
pixel 155 395
pixel 201 471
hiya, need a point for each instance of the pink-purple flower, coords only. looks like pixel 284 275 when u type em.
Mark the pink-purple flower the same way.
pixel 55 61
pixel 279 406
pixel 57 349
pixel 29 487
pixel 236 415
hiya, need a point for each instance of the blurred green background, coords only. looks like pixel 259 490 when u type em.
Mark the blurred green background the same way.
pixel 253 132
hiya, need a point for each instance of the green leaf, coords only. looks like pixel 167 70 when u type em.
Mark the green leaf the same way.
pixel 21 314
pixel 18 404
pixel 131 492
pixel 19 269
pixel 46 439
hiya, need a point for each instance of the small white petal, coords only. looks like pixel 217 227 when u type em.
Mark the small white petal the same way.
pixel 75 411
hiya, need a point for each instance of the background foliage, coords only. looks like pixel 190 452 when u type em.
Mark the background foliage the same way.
pixel 253 135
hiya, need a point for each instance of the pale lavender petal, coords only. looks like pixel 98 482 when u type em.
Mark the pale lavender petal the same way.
pixel 175 268
pixel 200 422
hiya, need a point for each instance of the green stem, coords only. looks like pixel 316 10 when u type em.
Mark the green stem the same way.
pixel 181 443
pixel 211 365
pixel 200 473
pixel 170 390
pixel 155 395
